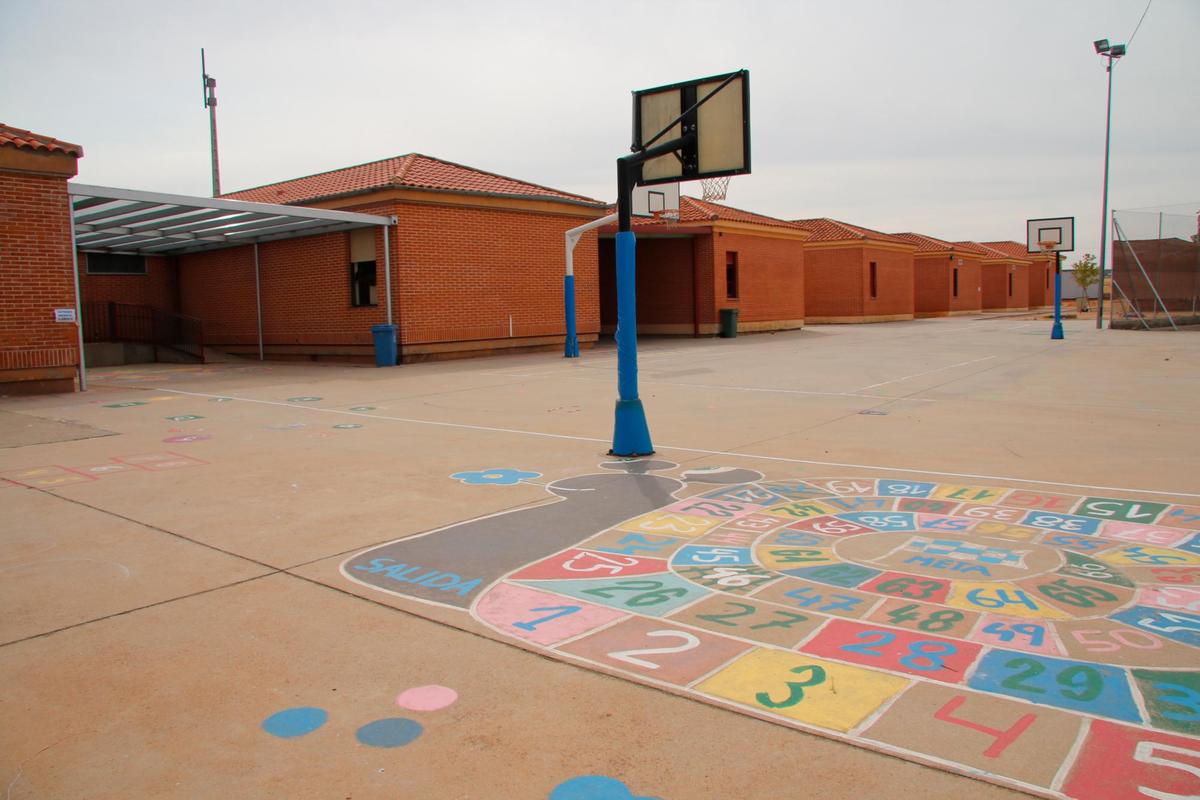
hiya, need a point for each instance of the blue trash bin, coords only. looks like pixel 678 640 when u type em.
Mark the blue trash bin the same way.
pixel 385 345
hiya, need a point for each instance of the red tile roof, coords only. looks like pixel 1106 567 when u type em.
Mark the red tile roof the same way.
pixel 991 251
pixel 693 210
pixel 931 244
pixel 28 140
pixel 824 229
pixel 414 171
pixel 1010 248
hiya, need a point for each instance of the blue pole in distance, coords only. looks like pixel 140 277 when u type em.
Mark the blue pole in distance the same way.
pixel 1056 332
pixel 571 349
pixel 631 434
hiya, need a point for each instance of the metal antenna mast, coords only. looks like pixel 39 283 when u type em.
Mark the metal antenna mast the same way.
pixel 210 102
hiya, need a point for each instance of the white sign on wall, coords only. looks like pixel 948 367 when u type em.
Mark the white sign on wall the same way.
pixel 64 315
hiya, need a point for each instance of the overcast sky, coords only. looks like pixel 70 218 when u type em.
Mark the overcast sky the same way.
pixel 958 119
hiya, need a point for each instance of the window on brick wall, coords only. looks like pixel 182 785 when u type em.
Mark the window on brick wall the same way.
pixel 362 267
pixel 1010 284
pixel 874 280
pixel 731 275
pixel 956 281
pixel 1047 279
pixel 115 264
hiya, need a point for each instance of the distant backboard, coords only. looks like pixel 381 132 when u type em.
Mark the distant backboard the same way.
pixel 1060 230
pixel 716 109
pixel 649 201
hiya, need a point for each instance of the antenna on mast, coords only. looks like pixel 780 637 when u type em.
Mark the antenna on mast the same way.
pixel 210 102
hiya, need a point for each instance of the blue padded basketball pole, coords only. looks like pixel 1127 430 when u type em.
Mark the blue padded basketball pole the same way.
pixel 631 434
pixel 1056 332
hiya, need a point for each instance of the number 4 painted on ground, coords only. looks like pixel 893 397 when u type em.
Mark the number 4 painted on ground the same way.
pixel 1003 738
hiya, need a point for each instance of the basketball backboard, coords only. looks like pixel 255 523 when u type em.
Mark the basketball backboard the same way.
pixel 716 110
pixel 650 201
pixel 1060 230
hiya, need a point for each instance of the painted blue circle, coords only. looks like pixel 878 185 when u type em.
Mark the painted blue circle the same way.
pixel 593 787
pixel 391 732
pixel 292 722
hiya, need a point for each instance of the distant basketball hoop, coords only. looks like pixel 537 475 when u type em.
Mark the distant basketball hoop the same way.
pixel 715 188
pixel 1048 245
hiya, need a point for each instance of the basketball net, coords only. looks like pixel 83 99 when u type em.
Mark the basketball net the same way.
pixel 1047 246
pixel 714 188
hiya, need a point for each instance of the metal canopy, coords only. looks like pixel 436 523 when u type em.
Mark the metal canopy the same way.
pixel 109 220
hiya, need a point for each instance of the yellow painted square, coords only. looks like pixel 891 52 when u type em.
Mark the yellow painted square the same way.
pixel 669 523
pixel 1143 555
pixel 970 494
pixel 783 556
pixel 1004 599
pixel 801 509
pixel 845 697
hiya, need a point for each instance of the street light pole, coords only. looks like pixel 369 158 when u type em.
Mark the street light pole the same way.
pixel 1112 53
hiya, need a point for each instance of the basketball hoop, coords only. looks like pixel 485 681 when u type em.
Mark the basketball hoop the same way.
pixel 668 215
pixel 714 188
pixel 1047 245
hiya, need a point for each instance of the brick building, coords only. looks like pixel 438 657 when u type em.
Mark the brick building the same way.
pixel 37 353
pixel 855 274
pixel 946 277
pixel 712 257
pixel 1005 279
pixel 477 264
pixel 1041 272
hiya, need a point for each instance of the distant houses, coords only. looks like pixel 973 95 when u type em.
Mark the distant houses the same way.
pixel 461 260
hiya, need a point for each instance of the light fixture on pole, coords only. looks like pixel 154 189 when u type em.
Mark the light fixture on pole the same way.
pixel 1112 52
pixel 210 102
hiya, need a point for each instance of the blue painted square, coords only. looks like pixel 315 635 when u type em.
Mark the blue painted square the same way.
pixel 847 576
pixel 883 520
pixel 1178 625
pixel 699 555
pixel 1068 523
pixel 906 488
pixel 1192 545
pixel 1075 685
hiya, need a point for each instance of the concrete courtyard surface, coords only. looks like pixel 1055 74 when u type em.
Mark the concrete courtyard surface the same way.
pixel 172 546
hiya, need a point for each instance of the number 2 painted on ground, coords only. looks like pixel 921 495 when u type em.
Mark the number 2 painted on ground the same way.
pixel 690 642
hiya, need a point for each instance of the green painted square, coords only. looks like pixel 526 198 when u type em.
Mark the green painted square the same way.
pixel 1122 510
pixel 1172 699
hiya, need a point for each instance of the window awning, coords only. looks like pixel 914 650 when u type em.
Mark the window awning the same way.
pixel 110 220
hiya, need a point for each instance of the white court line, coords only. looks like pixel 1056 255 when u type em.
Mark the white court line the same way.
pixel 646 380
pixel 926 372
pixel 731 454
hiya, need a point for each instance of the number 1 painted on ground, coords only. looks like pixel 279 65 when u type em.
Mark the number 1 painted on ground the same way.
pixel 561 611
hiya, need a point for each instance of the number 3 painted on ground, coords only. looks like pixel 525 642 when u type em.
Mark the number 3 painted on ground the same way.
pixel 795 688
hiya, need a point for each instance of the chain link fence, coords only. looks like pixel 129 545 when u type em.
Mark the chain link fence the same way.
pixel 1155 268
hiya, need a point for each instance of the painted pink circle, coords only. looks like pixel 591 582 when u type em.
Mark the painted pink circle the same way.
pixel 426 698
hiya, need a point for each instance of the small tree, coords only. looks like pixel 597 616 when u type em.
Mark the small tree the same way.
pixel 1086 274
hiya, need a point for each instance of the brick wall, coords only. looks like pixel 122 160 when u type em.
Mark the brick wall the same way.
pixel 1041 284
pixel 457 274
pixel 894 270
pixel 970 284
pixel 770 278
pixel 671 299
pixel 933 284
pixel 36 277
pixel 664 283
pixel 833 285
pixel 996 296
pixel 837 283
pixel 158 288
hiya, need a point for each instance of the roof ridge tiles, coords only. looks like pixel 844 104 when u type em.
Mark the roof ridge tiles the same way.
pixel 23 139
